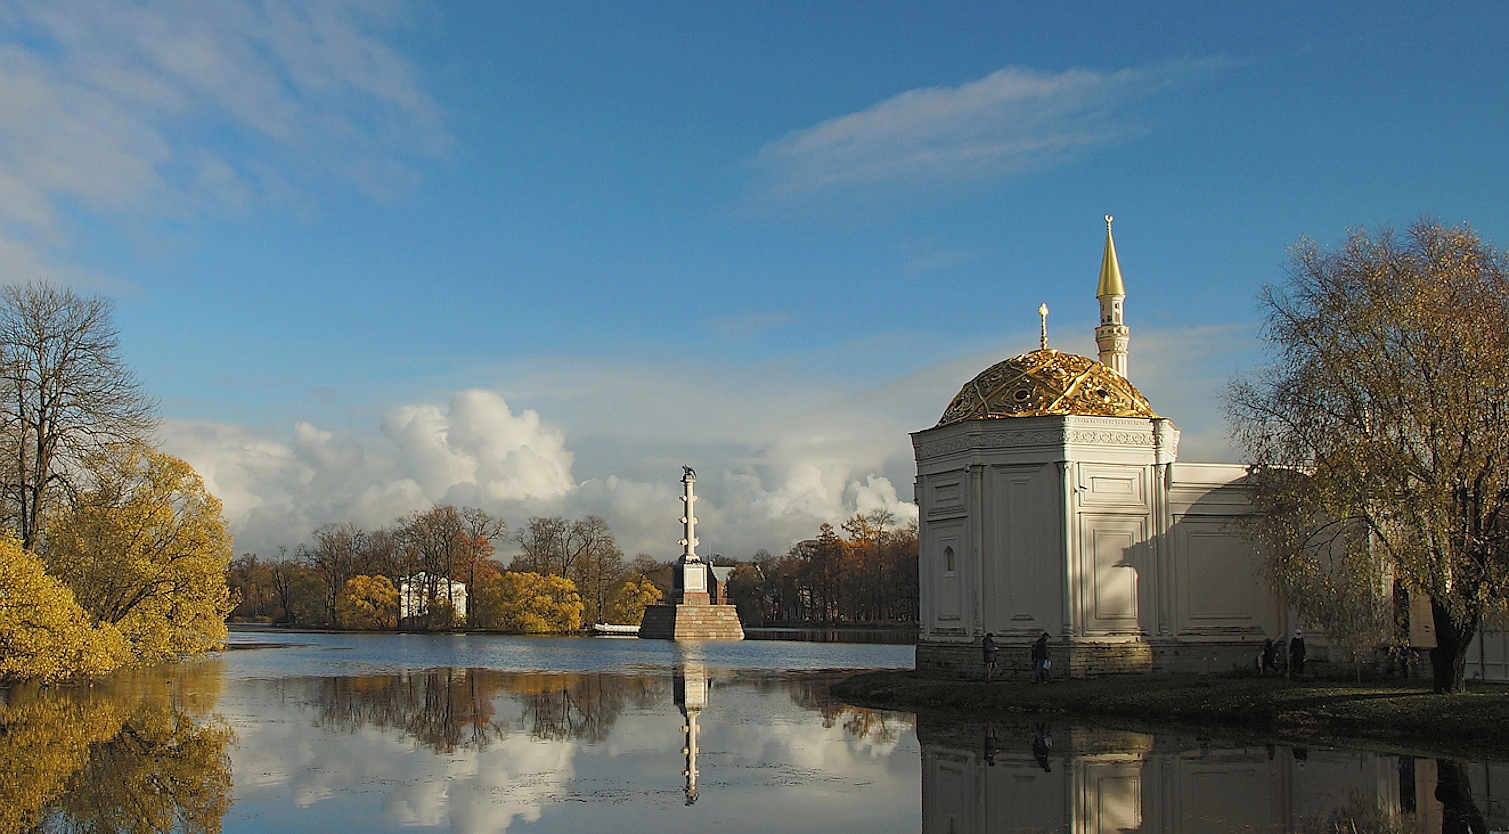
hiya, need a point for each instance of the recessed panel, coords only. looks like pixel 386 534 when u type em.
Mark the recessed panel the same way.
pixel 1115 577
pixel 1220 576
pixel 1104 485
pixel 947 565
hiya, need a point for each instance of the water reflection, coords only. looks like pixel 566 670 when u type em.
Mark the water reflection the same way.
pixel 457 709
pixel 691 697
pixel 690 742
pixel 136 753
pixel 999 777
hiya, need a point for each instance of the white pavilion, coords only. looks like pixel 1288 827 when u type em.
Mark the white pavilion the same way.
pixel 1052 500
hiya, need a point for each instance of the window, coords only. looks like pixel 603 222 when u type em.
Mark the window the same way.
pixel 948 560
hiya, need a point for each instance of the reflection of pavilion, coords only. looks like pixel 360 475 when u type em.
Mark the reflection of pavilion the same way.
pixel 691 697
pixel 1005 778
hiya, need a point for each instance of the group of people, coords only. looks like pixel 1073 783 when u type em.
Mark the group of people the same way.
pixel 1268 662
pixel 1042 665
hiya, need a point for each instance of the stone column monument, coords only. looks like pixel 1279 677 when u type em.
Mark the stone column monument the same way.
pixel 690 614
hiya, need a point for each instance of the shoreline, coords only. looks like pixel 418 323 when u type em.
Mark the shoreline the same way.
pixel 1394 715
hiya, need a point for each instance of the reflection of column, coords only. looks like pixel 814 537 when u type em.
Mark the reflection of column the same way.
pixel 691 697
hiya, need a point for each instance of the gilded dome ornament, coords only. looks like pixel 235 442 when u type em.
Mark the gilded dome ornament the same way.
pixel 1046 382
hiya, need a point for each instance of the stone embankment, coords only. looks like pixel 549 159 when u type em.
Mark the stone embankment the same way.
pixel 1399 715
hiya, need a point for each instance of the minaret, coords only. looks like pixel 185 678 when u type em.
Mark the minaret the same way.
pixel 691 576
pixel 1112 336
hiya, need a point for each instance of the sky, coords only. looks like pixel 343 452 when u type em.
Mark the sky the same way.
pixel 371 255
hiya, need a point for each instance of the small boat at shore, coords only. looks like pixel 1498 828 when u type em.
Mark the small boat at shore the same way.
pixel 609 630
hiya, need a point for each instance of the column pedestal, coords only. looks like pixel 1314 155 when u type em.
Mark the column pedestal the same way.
pixel 691 621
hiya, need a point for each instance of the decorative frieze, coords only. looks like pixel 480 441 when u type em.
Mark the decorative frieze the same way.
pixel 994 440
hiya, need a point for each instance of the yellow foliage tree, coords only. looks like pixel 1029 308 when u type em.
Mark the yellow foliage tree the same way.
pixel 44 634
pixel 627 602
pixel 528 603
pixel 145 551
pixel 367 603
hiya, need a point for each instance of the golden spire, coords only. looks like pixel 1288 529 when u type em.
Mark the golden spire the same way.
pixel 1043 340
pixel 1110 271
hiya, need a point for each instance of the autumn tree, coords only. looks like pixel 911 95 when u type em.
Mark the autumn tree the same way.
pixel 627 601
pixel 333 557
pixel 542 545
pixel 367 603
pixel 67 394
pixel 144 550
pixel 1380 426
pixel 44 635
pixel 437 542
pixel 528 603
pixel 597 566
pixel 481 530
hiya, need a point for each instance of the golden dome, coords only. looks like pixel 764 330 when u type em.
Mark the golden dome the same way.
pixel 1046 382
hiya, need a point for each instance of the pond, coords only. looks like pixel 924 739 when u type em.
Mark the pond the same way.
pixel 329 732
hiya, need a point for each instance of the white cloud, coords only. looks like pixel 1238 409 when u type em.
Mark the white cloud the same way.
pixel 1011 120
pixel 768 478
pixel 777 453
pixel 167 108
pixel 474 451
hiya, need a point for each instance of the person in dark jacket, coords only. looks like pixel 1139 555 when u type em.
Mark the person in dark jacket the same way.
pixel 988 646
pixel 1297 653
pixel 1041 665
pixel 1270 657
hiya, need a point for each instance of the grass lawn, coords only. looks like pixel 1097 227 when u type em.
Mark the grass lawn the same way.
pixel 1401 715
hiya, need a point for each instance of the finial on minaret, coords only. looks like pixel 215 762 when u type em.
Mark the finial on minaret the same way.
pixel 1112 336
pixel 1042 312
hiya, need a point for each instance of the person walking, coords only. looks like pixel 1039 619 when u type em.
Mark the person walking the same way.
pixel 1297 653
pixel 1042 667
pixel 1270 657
pixel 988 646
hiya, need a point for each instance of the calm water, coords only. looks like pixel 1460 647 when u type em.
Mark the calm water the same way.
pixel 378 733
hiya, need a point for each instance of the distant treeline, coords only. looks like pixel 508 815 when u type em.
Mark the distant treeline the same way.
pixel 565 574
pixel 863 573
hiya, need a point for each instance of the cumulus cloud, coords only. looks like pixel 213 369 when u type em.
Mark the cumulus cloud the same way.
pixel 767 488
pixel 166 108
pixel 1011 120
pixel 475 450
pixel 777 453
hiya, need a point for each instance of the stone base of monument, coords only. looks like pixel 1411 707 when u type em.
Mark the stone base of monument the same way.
pixel 691 621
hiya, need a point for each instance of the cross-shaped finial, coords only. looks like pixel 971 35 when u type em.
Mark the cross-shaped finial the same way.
pixel 1043 312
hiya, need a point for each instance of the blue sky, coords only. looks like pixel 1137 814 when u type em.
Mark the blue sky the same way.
pixel 533 257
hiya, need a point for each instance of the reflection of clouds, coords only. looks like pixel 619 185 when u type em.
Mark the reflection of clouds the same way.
pixel 288 761
pixel 759 751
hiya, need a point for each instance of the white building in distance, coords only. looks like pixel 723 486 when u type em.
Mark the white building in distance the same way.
pixel 414 595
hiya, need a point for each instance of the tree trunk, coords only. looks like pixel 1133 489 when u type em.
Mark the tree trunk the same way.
pixel 1448 660
pixel 1459 815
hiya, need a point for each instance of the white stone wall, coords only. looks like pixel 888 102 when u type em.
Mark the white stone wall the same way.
pixel 1083 527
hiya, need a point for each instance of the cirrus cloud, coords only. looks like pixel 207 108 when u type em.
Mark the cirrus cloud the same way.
pixel 134 112
pixel 1014 119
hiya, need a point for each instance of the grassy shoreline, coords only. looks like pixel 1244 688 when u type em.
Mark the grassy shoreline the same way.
pixel 1397 715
